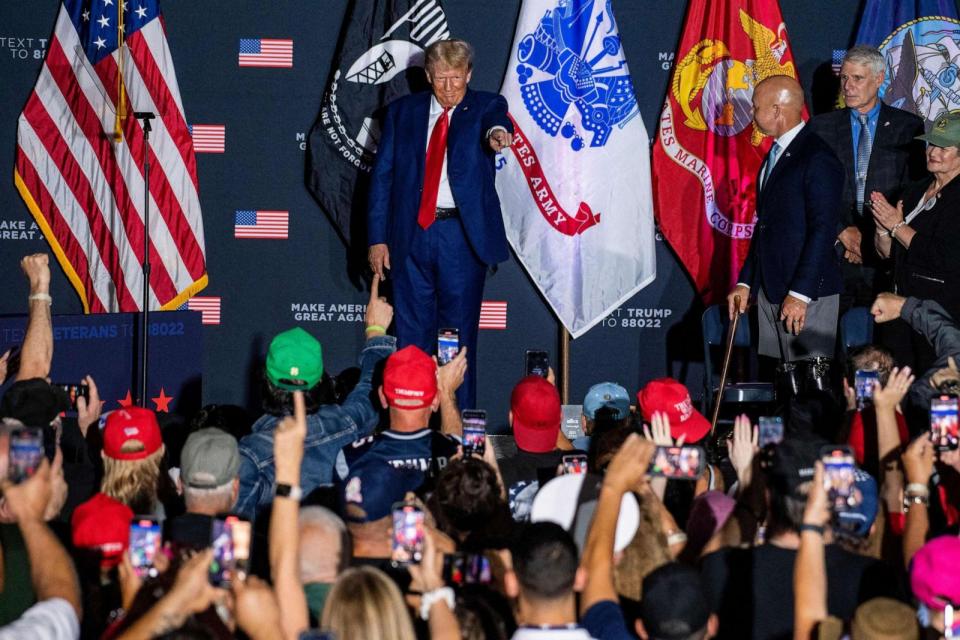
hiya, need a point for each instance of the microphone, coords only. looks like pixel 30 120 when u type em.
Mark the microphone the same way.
pixel 144 115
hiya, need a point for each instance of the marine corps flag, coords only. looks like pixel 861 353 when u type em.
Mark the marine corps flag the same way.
pixel 379 58
pixel 707 152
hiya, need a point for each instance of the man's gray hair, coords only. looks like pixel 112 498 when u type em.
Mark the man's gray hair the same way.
pixel 325 519
pixel 220 498
pixel 866 55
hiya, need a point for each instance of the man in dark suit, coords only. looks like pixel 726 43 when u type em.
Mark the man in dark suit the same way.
pixel 433 215
pixel 791 266
pixel 876 145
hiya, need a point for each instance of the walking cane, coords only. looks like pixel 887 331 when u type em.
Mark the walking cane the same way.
pixel 726 365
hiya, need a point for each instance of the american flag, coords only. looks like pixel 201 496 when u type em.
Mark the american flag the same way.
pixel 493 314
pixel 837 61
pixel 261 224
pixel 265 52
pixel 208 306
pixel 208 138
pixel 80 154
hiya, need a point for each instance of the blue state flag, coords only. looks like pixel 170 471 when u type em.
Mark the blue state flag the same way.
pixel 920 41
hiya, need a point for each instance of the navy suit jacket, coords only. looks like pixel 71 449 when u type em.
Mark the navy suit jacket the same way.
pixel 896 160
pixel 397 179
pixel 797 217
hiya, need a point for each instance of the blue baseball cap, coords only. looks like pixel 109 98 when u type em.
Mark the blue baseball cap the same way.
pixel 857 521
pixel 373 486
pixel 606 394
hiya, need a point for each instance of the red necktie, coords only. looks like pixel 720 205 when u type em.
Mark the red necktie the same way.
pixel 436 150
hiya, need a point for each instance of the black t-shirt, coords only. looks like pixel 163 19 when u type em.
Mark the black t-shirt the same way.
pixel 524 466
pixel 751 590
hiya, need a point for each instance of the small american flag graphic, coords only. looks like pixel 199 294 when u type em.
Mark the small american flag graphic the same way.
pixel 266 52
pixel 837 61
pixel 208 306
pixel 493 314
pixel 208 138
pixel 261 224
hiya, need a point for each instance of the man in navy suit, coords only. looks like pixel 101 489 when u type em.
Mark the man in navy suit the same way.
pixel 791 266
pixel 877 145
pixel 433 216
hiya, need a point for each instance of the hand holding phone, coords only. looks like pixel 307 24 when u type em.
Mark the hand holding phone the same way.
pixel 74 392
pixel 448 345
pixel 537 363
pixel 680 463
pixel 466 568
pixel 770 430
pixel 26 453
pixel 145 540
pixel 944 432
pixel 474 431
pixel 839 477
pixel 408 536
pixel 575 463
pixel 865 383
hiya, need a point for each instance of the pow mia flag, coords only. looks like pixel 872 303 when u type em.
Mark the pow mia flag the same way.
pixel 379 58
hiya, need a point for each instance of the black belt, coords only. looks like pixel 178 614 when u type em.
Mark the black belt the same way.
pixel 446 214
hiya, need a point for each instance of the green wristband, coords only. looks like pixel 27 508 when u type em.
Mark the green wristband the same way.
pixel 376 327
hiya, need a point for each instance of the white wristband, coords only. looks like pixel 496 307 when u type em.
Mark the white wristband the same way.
pixel 428 599
pixel 45 297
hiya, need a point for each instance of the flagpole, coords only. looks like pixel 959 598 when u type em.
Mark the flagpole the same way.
pixel 146 117
pixel 564 365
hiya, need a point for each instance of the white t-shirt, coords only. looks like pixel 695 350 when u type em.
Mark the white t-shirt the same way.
pixel 52 619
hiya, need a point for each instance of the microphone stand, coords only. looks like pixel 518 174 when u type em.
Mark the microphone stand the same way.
pixel 146 117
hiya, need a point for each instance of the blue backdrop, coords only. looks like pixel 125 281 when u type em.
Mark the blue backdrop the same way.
pixel 269 285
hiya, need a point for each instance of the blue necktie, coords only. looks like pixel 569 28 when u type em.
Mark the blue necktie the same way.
pixel 771 160
pixel 864 146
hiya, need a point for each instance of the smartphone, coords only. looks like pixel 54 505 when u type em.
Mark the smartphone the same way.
pixel 466 568
pixel 448 344
pixel 575 463
pixel 943 423
pixel 770 431
pixel 230 541
pixel 26 453
pixel 407 538
pixel 474 431
pixel 864 383
pixel 74 392
pixel 537 363
pixel 145 539
pixel 680 463
pixel 839 477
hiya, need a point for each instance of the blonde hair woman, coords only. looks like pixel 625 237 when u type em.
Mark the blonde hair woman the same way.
pixel 365 604
pixel 132 454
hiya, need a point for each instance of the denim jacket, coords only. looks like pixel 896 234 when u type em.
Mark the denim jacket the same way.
pixel 328 430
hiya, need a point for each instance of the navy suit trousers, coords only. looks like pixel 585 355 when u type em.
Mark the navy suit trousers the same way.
pixel 440 285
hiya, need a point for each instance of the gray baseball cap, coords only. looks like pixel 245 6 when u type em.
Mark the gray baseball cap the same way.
pixel 210 458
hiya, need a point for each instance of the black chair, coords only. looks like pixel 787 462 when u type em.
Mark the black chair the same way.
pixel 856 328
pixel 715 324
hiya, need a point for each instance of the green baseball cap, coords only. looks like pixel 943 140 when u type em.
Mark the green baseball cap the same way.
pixel 945 131
pixel 294 361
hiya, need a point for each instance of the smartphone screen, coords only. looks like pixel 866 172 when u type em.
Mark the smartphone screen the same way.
pixel 26 453
pixel 839 477
pixel 474 431
pixel 466 568
pixel 407 535
pixel 74 392
pixel 681 463
pixel 145 539
pixel 770 430
pixel 943 423
pixel 448 344
pixel 864 384
pixel 230 540
pixel 537 363
pixel 575 463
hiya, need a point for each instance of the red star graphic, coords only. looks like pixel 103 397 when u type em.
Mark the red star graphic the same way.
pixel 162 401
pixel 126 401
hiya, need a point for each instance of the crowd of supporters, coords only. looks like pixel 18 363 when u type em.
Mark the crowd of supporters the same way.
pixel 356 506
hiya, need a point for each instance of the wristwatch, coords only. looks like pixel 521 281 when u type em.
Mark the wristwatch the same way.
pixel 284 490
